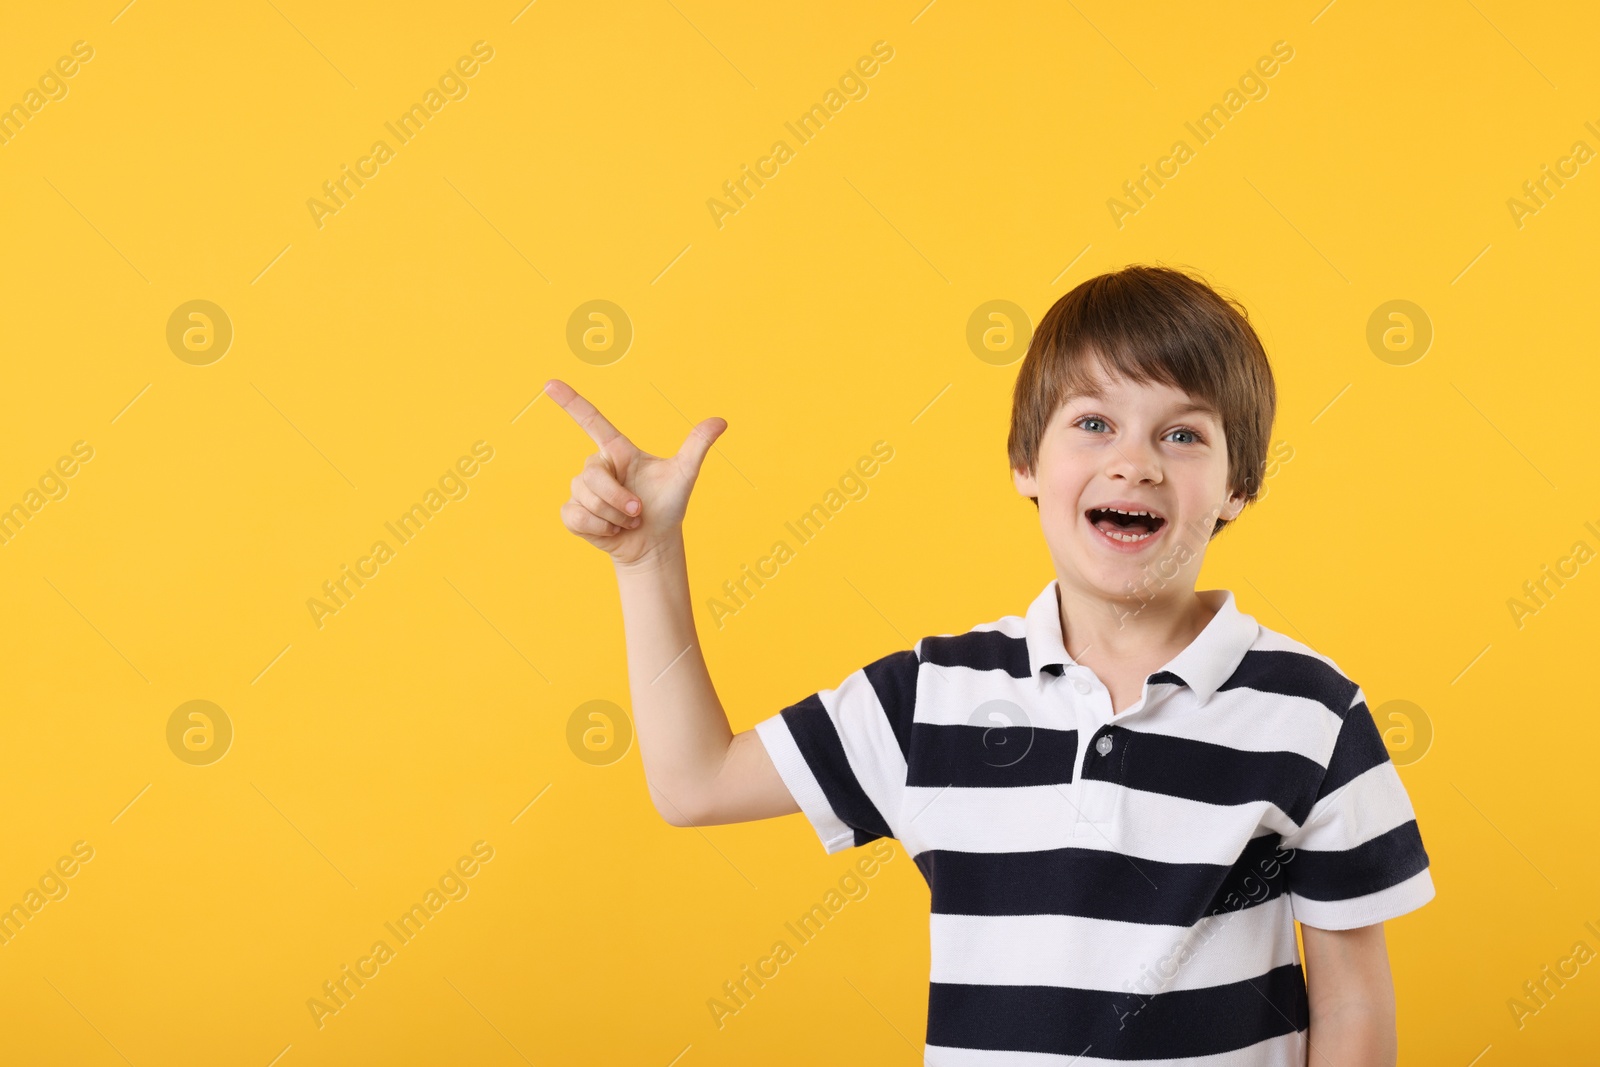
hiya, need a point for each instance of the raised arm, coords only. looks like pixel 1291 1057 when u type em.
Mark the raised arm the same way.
pixel 631 505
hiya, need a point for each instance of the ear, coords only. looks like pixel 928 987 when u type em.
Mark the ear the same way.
pixel 1232 506
pixel 1026 483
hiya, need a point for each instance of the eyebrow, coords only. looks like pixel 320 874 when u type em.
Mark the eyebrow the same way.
pixel 1192 408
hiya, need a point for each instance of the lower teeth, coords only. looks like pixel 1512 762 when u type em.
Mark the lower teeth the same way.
pixel 1128 538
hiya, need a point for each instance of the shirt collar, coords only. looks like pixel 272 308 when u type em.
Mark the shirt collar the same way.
pixel 1208 661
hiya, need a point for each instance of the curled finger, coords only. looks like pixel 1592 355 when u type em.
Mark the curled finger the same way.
pixel 604 485
pixel 583 494
pixel 585 523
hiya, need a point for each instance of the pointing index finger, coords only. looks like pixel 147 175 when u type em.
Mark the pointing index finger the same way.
pixel 583 413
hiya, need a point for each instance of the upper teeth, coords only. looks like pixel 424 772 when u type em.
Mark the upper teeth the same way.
pixel 1119 511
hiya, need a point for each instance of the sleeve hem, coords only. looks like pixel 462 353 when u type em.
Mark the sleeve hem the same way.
pixel 1378 907
pixel 803 785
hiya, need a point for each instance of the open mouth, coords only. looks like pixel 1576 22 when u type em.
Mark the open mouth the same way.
pixel 1128 527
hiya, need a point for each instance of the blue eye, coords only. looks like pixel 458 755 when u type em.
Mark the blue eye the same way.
pixel 1194 434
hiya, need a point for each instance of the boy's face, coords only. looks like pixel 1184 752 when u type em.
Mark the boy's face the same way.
pixel 1137 447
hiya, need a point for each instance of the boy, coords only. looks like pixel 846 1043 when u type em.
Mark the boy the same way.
pixel 1122 800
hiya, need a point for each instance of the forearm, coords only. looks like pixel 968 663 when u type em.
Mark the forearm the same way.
pixel 1354 1033
pixel 682 729
pixel 1351 996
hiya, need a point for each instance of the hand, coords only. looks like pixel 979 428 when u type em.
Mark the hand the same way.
pixel 625 502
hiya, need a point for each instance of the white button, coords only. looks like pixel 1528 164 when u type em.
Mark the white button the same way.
pixel 1103 745
pixel 1080 685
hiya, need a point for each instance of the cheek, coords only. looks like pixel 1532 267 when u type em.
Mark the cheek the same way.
pixel 1066 469
pixel 1211 485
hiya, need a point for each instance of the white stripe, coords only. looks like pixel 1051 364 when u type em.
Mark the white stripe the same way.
pixel 1288 1050
pixel 1087 814
pixel 1010 625
pixel 1109 955
pixel 1248 720
pixel 1245 719
pixel 1372 803
pixel 792 768
pixel 869 742
pixel 948 696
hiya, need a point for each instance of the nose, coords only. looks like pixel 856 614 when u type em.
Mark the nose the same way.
pixel 1134 462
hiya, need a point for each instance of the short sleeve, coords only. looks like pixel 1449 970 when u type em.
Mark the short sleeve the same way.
pixel 842 752
pixel 1358 858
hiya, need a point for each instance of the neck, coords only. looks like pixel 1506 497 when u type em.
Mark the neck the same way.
pixel 1099 631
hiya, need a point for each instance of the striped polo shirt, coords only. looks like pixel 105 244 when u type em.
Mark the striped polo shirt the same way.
pixel 1112 888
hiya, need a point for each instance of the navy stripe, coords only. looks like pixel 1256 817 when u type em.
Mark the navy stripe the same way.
pixel 1165 678
pixel 1386 860
pixel 990 756
pixel 1358 750
pixel 1293 674
pixel 981 650
pixel 894 679
pixel 1200 770
pixel 1103 885
pixel 819 744
pixel 1119 1025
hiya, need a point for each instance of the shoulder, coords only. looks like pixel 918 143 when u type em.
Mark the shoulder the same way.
pixel 1000 644
pixel 1279 664
pixel 1287 696
pixel 896 677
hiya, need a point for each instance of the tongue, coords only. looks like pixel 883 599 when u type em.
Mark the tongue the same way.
pixel 1136 526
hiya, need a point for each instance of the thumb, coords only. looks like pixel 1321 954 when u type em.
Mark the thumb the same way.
pixel 698 443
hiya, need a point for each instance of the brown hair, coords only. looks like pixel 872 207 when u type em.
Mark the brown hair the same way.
pixel 1151 325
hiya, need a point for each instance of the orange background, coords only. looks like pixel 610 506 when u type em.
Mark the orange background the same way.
pixel 432 710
